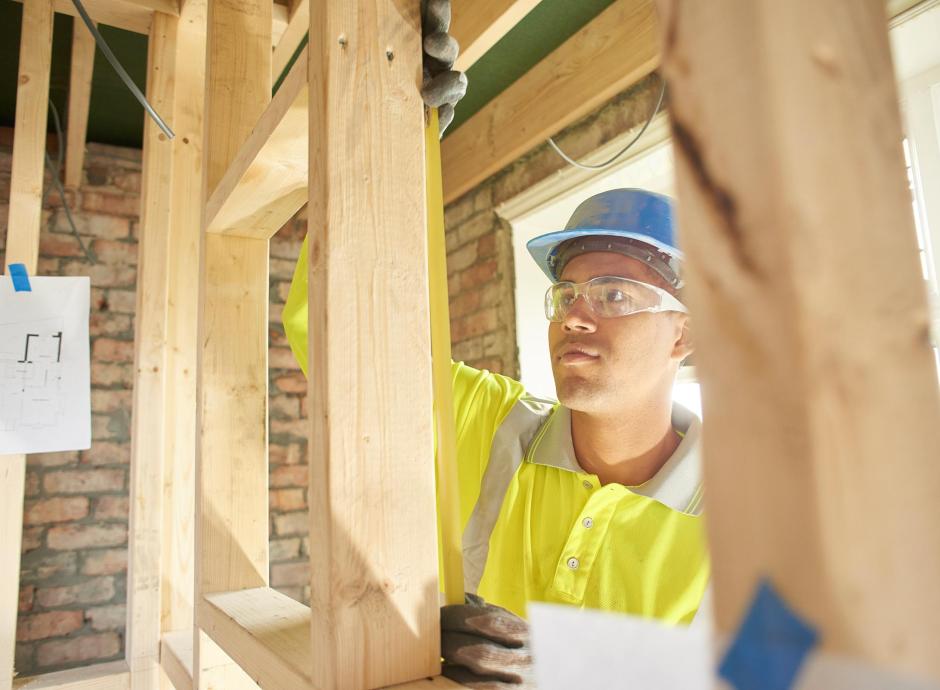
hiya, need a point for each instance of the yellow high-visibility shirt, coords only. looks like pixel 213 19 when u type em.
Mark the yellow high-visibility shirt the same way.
pixel 536 527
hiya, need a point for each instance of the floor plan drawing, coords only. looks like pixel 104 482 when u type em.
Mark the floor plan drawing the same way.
pixel 44 366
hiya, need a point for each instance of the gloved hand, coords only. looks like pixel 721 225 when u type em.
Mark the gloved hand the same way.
pixel 485 647
pixel 443 86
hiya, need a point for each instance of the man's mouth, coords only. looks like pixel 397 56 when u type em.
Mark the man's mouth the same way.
pixel 578 354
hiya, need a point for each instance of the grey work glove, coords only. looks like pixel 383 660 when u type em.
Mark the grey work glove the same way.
pixel 485 647
pixel 443 86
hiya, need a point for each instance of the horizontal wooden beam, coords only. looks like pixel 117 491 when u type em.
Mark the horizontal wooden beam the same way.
pixel 266 183
pixel 117 13
pixel 613 51
pixel 176 658
pixel 265 632
pixel 479 24
pixel 110 676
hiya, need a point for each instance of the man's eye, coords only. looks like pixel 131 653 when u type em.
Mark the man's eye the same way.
pixel 616 295
pixel 567 299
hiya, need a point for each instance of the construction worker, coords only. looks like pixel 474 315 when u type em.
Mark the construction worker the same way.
pixel 595 500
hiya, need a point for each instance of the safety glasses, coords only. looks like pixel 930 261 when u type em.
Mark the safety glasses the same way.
pixel 608 297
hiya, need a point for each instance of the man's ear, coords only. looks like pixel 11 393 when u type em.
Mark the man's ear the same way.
pixel 683 346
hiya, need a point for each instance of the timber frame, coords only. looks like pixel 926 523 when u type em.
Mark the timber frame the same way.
pixel 201 613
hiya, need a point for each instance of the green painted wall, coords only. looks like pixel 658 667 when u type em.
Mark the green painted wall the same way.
pixel 117 118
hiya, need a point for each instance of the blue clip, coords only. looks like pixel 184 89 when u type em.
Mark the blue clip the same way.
pixel 20 277
pixel 770 647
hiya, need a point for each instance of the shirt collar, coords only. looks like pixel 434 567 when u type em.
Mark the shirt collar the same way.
pixel 676 485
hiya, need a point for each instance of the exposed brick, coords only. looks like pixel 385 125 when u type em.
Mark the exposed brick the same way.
pixel 289 475
pixel 282 358
pixel 32 484
pixel 298 428
pixel 112 508
pixel 122 301
pixel 104 374
pixel 38 565
pixel 84 481
pixel 486 246
pixel 111 204
pixel 465 303
pixel 92 591
pixel 32 539
pixel 474 325
pixel 291 523
pixel 478 274
pixel 284 549
pixel 494 364
pixel 83 648
pixel 477 226
pixel 110 427
pixel 287 499
pixel 467 350
pixel 55 510
pixel 111 350
pixel 27 593
pixel 284 407
pixel 39 626
pixel 128 182
pixel 105 562
pixel 115 251
pixel 106 453
pixel 69 457
pixel 104 275
pixel 109 400
pixel 295 382
pixel 55 244
pixel 288 574
pixel 280 291
pixel 109 323
pixel 290 454
pixel 461 258
pixel 69 537
pixel 107 617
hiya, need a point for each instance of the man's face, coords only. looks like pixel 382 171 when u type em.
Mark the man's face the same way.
pixel 600 363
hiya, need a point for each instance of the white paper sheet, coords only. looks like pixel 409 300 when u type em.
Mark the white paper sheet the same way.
pixel 45 391
pixel 594 650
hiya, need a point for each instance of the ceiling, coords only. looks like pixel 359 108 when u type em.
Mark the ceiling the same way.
pixel 115 117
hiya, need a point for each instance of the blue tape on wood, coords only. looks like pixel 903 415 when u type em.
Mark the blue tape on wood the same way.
pixel 770 647
pixel 20 277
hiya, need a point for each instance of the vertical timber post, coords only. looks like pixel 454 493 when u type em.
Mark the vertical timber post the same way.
pixel 232 463
pixel 810 309
pixel 374 587
pixel 149 412
pixel 22 246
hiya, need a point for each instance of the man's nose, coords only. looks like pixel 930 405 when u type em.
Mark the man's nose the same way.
pixel 580 317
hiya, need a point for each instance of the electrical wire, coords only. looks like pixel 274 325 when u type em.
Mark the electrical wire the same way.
pixel 55 172
pixel 616 156
pixel 122 73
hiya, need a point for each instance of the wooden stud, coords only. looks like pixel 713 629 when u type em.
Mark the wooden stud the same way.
pixel 231 464
pixel 613 51
pixel 148 422
pixel 83 62
pixel 479 24
pixel 374 586
pixel 117 13
pixel 176 658
pixel 22 246
pixel 818 379
pixel 178 485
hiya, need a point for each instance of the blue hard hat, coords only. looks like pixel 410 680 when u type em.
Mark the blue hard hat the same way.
pixel 634 214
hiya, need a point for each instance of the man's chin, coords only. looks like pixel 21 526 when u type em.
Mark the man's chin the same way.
pixel 577 392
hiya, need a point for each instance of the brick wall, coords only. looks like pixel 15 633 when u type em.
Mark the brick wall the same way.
pixel 73 578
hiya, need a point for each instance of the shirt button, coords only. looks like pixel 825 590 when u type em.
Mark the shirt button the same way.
pixel 587 485
pixel 573 563
pixel 588 523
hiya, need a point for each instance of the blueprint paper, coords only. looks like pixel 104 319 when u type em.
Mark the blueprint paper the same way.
pixel 596 650
pixel 45 392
